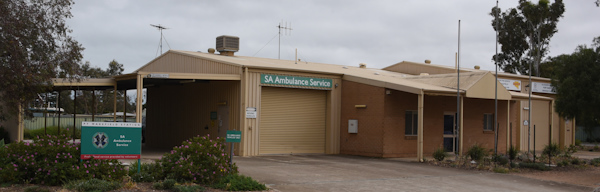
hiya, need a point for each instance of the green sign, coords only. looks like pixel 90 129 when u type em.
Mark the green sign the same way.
pixel 295 81
pixel 233 136
pixel 111 140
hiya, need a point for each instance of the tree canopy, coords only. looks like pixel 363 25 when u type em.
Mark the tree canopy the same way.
pixel 524 30
pixel 577 82
pixel 35 46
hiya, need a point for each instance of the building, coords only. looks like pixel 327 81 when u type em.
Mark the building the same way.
pixel 290 107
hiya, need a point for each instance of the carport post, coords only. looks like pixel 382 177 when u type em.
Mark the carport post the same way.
pixel 115 103
pixel 138 105
pixel 125 106
pixel 420 127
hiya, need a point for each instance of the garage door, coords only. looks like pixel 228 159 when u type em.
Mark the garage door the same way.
pixel 292 121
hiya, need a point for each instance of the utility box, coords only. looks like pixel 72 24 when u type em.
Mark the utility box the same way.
pixel 352 126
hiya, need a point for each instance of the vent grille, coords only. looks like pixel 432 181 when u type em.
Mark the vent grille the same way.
pixel 228 43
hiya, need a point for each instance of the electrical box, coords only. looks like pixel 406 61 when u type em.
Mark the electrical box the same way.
pixel 352 126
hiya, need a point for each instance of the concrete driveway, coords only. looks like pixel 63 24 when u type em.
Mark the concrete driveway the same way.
pixel 351 173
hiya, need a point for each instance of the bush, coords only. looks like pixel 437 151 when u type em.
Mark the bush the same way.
pixel 595 162
pixel 576 161
pixel 237 182
pixel 577 142
pixel 552 150
pixel 188 188
pixel 4 135
pixel 36 189
pixel 501 170
pixel 52 160
pixel 149 172
pixel 512 152
pixel 439 154
pixel 536 166
pixel 198 160
pixel 167 184
pixel 514 165
pixel 500 159
pixel 52 130
pixel 477 152
pixel 93 185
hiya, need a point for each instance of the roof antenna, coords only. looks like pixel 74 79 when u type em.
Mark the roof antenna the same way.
pixel 161 28
pixel 286 29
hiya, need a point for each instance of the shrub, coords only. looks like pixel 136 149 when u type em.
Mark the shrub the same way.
pixel 439 154
pixel 537 166
pixel 562 163
pixel 500 159
pixel 149 172
pixel 4 135
pixel 552 150
pixel 167 184
pixel 577 142
pixel 52 160
pixel 52 130
pixel 477 152
pixel 595 162
pixel 198 160
pixel 512 152
pixel 235 182
pixel 93 185
pixel 36 189
pixel 501 170
pixel 514 165
pixel 575 161
pixel 188 188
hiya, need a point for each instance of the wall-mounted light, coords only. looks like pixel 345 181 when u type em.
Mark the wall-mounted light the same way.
pixel 360 106
pixel 336 85
pixel 388 92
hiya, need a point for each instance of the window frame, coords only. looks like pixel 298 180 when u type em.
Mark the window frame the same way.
pixel 414 123
pixel 488 122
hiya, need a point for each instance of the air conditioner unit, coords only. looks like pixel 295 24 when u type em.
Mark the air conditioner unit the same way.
pixel 228 43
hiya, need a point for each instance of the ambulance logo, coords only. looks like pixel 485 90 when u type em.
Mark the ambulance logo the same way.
pixel 100 140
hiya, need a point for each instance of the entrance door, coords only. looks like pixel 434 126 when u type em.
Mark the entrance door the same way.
pixel 223 120
pixel 449 129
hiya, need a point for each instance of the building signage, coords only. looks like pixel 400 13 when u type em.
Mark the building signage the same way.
pixel 251 112
pixel 158 75
pixel 511 85
pixel 233 136
pixel 295 81
pixel 111 140
pixel 543 88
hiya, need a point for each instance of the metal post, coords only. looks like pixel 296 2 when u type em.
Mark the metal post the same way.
pixel 231 156
pixel 534 143
pixel 139 165
pixel 496 94
pixel 57 106
pixel 46 115
pixel 74 114
pixel 458 90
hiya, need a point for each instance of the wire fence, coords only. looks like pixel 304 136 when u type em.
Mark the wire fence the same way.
pixel 582 135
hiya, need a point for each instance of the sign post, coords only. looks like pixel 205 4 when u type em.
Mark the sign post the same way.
pixel 111 140
pixel 233 137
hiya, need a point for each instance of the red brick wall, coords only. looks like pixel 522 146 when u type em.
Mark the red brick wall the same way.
pixel 368 141
pixel 395 143
pixel 473 124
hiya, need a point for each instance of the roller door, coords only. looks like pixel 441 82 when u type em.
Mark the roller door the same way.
pixel 292 121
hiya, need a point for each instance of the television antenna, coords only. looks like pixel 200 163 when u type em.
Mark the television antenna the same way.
pixel 285 28
pixel 161 28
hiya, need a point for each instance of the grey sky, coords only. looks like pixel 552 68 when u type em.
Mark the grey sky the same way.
pixel 378 33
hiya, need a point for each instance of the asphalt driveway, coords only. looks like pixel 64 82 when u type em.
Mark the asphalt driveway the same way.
pixel 352 173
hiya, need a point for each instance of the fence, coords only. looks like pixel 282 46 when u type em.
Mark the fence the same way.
pixel 38 122
pixel 585 137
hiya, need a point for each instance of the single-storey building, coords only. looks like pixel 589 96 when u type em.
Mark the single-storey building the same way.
pixel 293 106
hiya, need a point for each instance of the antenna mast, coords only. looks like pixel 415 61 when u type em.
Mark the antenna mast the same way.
pixel 286 29
pixel 161 28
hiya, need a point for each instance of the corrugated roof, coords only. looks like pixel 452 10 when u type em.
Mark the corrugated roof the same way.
pixel 467 79
pixel 378 77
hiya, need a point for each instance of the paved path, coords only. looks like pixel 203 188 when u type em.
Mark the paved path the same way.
pixel 351 173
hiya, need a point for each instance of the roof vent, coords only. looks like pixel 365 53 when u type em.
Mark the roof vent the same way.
pixel 477 67
pixel 362 65
pixel 428 61
pixel 227 45
pixel 211 50
pixel 424 74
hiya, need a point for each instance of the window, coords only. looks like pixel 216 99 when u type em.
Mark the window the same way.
pixel 488 122
pixel 411 119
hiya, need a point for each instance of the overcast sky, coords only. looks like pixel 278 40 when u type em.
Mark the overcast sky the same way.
pixel 378 33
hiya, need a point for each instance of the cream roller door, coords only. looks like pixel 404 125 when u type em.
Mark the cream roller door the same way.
pixel 292 121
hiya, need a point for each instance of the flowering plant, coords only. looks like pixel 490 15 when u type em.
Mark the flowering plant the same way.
pixel 199 160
